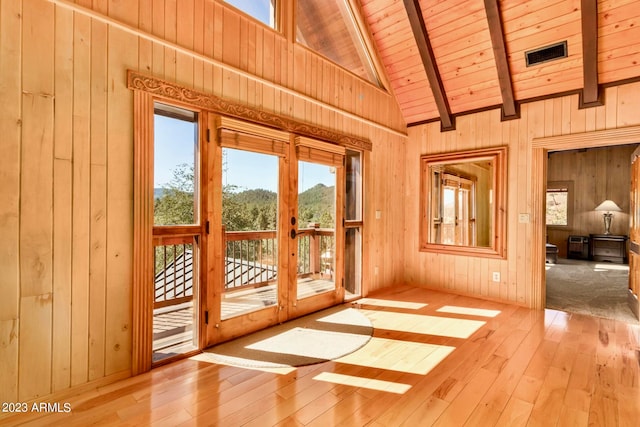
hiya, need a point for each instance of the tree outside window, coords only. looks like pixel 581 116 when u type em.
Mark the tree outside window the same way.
pixel 559 203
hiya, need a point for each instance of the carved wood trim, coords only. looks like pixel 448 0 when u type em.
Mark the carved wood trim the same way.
pixel 167 90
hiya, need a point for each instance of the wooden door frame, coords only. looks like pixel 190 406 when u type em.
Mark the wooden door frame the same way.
pixel 540 147
pixel 143 247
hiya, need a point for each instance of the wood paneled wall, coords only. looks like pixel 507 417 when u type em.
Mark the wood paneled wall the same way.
pixel 547 118
pixel 66 169
pixel 597 174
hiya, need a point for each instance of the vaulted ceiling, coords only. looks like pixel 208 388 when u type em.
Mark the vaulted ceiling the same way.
pixel 449 57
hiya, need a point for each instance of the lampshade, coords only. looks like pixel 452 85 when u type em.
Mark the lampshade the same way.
pixel 608 206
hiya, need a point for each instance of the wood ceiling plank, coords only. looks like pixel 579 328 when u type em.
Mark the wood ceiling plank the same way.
pixel 569 23
pixel 431 68
pixel 517 9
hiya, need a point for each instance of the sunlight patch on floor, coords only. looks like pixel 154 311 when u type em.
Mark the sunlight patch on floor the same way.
pixel 276 369
pixel 391 303
pixel 423 324
pixel 345 317
pixel 372 384
pixel 468 311
pixel 606 267
pixel 402 356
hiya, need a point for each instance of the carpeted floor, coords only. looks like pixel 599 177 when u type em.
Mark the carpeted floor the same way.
pixel 586 287
pixel 325 335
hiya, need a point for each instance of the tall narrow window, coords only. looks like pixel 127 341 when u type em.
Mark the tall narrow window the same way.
pixel 353 225
pixel 176 205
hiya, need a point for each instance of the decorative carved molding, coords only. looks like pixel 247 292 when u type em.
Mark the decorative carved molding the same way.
pixel 164 89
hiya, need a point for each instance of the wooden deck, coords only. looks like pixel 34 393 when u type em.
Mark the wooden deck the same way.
pixel 434 359
pixel 173 325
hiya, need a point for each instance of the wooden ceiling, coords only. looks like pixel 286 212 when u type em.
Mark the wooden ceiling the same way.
pixel 449 57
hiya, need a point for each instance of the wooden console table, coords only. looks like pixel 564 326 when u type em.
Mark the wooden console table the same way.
pixel 608 247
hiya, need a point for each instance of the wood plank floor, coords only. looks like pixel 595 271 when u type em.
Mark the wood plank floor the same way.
pixel 435 359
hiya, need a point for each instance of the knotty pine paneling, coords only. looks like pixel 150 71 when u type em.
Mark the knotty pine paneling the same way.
pixel 66 216
pixel 597 174
pixel 10 147
pixel 560 116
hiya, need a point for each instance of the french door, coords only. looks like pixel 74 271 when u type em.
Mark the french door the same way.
pixel 237 227
pixel 276 229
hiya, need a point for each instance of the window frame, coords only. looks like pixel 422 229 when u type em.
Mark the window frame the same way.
pixel 498 232
pixel 551 185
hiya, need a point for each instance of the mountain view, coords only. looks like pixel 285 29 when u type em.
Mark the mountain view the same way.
pixel 254 209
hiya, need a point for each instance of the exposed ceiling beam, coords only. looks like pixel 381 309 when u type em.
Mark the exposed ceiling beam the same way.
pixel 509 107
pixel 591 94
pixel 428 60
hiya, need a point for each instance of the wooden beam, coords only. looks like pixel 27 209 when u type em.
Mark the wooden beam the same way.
pixel 428 60
pixel 591 94
pixel 510 109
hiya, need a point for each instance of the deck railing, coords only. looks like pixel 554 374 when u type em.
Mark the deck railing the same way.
pixel 173 271
pixel 250 261
pixel 251 256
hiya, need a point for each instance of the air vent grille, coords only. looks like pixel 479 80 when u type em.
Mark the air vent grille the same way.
pixel 545 54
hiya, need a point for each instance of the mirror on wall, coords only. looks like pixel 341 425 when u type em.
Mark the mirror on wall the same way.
pixel 464 202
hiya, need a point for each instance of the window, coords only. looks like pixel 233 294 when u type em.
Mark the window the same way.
pixel 262 10
pixel 329 27
pixel 559 203
pixel 353 225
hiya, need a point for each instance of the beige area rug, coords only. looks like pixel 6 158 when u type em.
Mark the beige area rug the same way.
pixel 594 288
pixel 319 337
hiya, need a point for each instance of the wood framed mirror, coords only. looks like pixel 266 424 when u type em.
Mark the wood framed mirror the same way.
pixel 463 202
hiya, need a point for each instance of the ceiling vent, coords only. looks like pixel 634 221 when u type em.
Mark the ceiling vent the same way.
pixel 545 54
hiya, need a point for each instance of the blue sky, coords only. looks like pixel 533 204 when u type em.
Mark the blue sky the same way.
pixel 259 9
pixel 175 145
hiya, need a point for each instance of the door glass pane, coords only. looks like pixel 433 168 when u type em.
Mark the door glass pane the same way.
pixel 353 262
pixel 174 166
pixel 316 229
pixel 448 215
pixel 249 217
pixel 353 191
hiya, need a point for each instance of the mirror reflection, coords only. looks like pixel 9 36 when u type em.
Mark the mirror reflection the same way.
pixel 463 202
pixel 461 198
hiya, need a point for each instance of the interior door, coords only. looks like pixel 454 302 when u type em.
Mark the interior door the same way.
pixel 634 252
pixel 317 231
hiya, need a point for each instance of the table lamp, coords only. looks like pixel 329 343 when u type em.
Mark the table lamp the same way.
pixel 608 206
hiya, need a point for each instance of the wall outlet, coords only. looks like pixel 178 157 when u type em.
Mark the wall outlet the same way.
pixel 375 271
pixel 378 214
pixel 496 276
pixel 523 218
